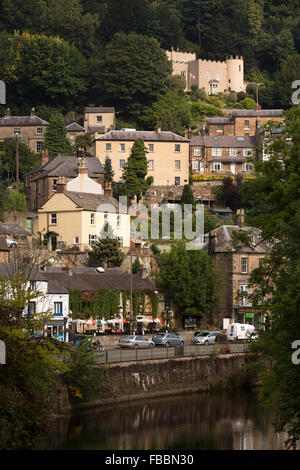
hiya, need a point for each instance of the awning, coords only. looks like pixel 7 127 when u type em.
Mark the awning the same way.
pixel 90 322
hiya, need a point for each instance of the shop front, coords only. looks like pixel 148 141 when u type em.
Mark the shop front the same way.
pixel 248 315
pixel 57 329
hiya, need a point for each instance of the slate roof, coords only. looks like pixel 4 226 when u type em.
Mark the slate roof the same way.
pixel 88 279
pixel 149 136
pixel 257 113
pixel 13 229
pixel 219 120
pixel 19 121
pixel 67 167
pixel 91 202
pixel 74 127
pixel 232 142
pixel 98 109
pixel 93 129
pixel 224 236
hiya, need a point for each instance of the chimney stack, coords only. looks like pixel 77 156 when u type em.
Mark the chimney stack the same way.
pixel 82 168
pixel 141 272
pixel 212 243
pixel 158 130
pixel 258 107
pixel 61 185
pixel 240 217
pixel 7 112
pixel 108 190
pixel 44 157
pixel 32 113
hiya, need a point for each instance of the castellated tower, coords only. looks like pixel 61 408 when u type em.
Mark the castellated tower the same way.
pixel 235 73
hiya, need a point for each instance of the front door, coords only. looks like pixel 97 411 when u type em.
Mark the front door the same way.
pixel 53 242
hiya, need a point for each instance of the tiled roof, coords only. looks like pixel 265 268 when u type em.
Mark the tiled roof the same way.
pixel 257 113
pixel 230 142
pixel 13 229
pixel 74 127
pixel 67 167
pixel 153 136
pixel 98 129
pixel 88 201
pixel 20 121
pixel 197 140
pixel 90 280
pixel 219 120
pixel 98 109
pixel 224 237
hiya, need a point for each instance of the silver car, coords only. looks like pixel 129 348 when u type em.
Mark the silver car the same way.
pixel 205 337
pixel 135 342
pixel 168 339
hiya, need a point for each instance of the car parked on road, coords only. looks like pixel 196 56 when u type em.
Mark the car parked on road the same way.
pixel 205 337
pixel 135 342
pixel 167 339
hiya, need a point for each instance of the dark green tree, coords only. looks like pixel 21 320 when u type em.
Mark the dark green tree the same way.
pixel 135 171
pixel 134 72
pixel 27 160
pixel 187 196
pixel 289 72
pixel 56 141
pixel 107 249
pixel 189 280
pixel 273 205
pixel 108 171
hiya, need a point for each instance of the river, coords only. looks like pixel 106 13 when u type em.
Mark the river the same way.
pixel 224 420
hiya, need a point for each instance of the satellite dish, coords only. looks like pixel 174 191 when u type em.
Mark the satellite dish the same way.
pixel 100 270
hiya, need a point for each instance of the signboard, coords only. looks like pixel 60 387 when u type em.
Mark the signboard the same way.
pixel 249 315
pixel 190 322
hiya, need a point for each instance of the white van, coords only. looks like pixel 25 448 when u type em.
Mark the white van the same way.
pixel 239 331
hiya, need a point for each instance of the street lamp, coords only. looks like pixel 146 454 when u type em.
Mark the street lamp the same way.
pixel 17 160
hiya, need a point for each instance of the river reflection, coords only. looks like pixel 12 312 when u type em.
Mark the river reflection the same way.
pixel 223 421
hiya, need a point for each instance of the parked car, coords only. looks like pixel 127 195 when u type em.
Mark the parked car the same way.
pixel 205 337
pixel 167 339
pixel 88 340
pixel 135 341
pixel 12 243
pixel 241 331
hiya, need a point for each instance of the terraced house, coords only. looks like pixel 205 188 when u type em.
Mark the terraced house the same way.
pixel 167 154
pixel 29 130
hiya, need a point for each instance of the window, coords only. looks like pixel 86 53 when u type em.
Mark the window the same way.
pixel 39 146
pixel 247 152
pixel 92 239
pixel 244 265
pixel 53 218
pixel 217 166
pixel 201 166
pixel 108 147
pixel 207 75
pixel 17 131
pixel 247 166
pixel 260 261
pixel 31 309
pixel 240 68
pixel 247 123
pixel 232 152
pixel 54 184
pixel 105 217
pixel 99 118
pixel 220 128
pixel 195 164
pixel 120 240
pixel 33 285
pixel 39 130
pixel 183 73
pixel 244 302
pixel 197 151
pixel 150 164
pixel 58 308
pixel 216 152
pixel 93 219
pixel 118 221
pixel 76 240
pixel 177 164
pixel 177 181
pixel 72 136
pixel 150 147
pixel 177 147
pixel 122 163
pixel 122 147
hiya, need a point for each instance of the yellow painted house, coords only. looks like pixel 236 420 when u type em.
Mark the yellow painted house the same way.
pixel 71 218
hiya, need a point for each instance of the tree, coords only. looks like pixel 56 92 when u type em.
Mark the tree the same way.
pixel 229 194
pixel 107 249
pixel 83 141
pixel 135 171
pixel 56 141
pixel 189 280
pixel 171 112
pixel 273 200
pixel 289 71
pixel 42 70
pixel 187 196
pixel 108 171
pixel 27 160
pixel 134 72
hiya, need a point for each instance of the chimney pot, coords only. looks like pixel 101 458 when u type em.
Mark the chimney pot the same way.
pixel 44 157
pixel 240 217
pixel 107 189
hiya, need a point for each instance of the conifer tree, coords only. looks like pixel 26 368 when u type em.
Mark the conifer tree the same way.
pixel 107 249
pixel 136 170
pixel 108 171
pixel 56 141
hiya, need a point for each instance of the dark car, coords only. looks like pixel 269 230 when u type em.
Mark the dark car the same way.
pixel 167 339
